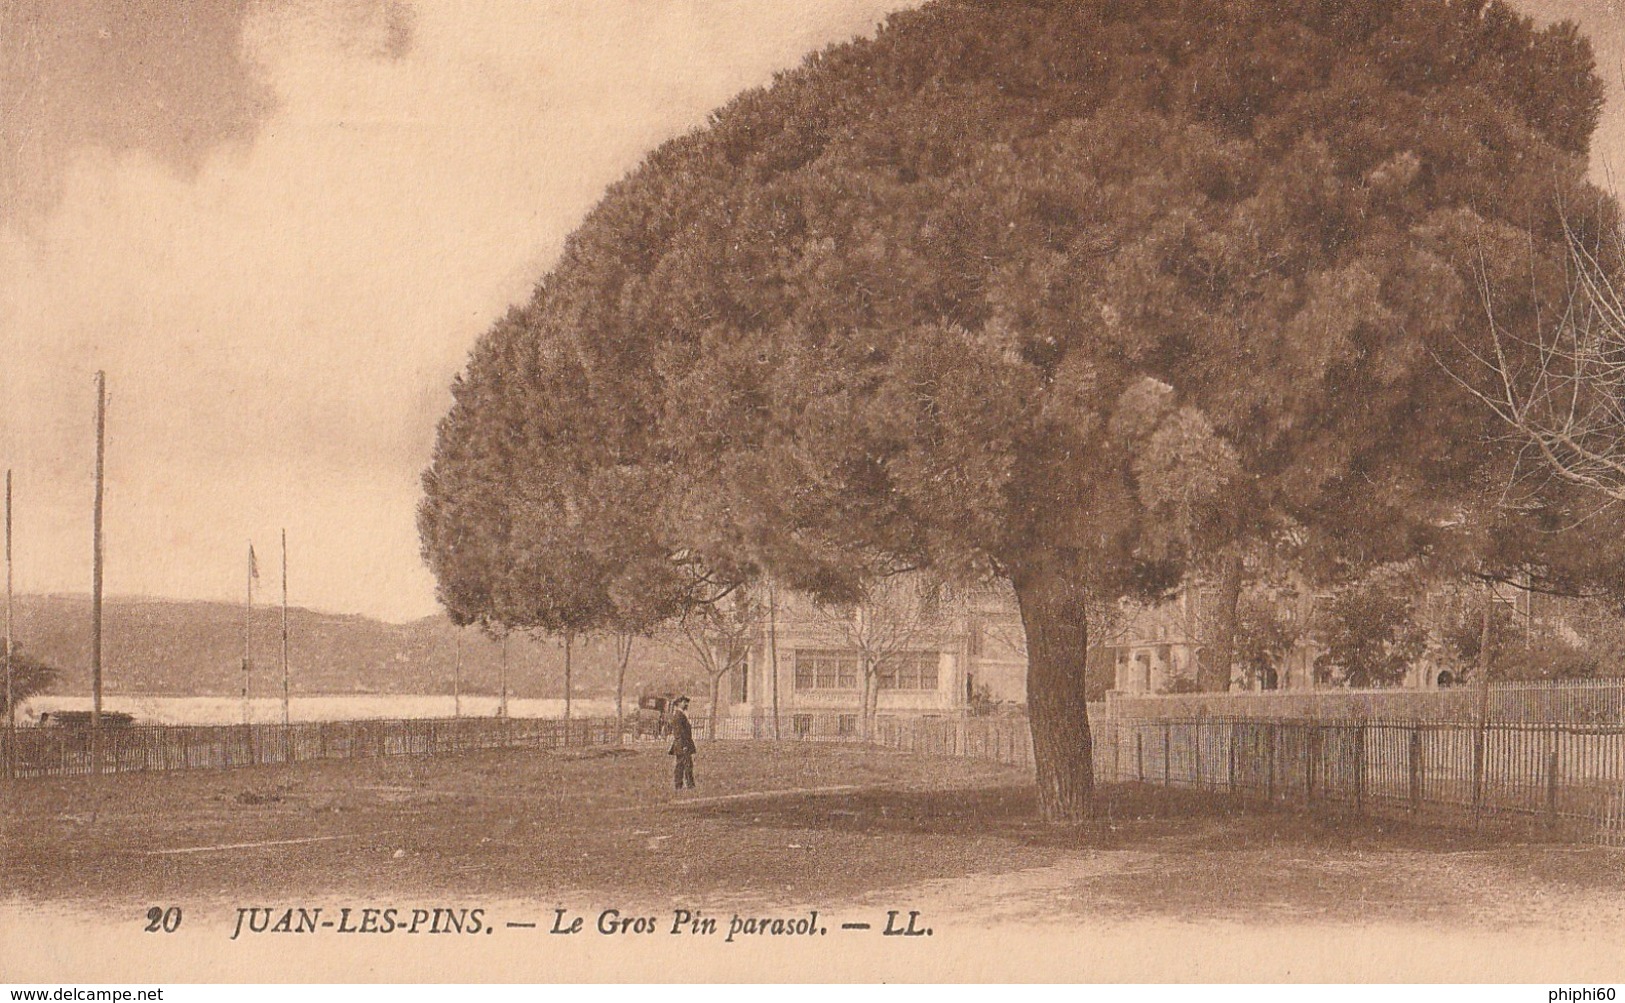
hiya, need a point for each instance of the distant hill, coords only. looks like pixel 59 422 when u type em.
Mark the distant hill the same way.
pixel 163 647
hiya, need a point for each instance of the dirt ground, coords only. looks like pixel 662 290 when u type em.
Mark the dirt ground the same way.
pixel 847 829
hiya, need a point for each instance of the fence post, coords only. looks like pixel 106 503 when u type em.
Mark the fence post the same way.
pixel 1111 729
pixel 1167 745
pixel 1415 764
pixel 1480 739
pixel 1139 755
pixel 1311 739
pixel 1230 766
pixel 1359 767
pixel 1551 783
pixel 1269 744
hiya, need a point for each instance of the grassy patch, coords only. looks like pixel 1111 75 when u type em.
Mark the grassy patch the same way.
pixel 790 823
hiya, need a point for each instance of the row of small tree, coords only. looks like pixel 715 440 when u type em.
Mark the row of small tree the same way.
pixel 1373 632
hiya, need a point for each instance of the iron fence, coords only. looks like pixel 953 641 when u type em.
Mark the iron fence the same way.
pixel 1570 775
pixel 1578 702
pixel 1005 738
pixel 46 752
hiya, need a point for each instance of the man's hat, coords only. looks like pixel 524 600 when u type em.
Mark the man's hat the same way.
pixel 681 701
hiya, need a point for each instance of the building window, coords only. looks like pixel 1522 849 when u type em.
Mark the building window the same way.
pixel 846 724
pixel 909 670
pixel 827 670
pixel 801 725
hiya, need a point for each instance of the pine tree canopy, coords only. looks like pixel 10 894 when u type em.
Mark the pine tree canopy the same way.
pixel 906 302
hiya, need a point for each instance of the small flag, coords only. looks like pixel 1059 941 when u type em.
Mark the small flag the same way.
pixel 253 564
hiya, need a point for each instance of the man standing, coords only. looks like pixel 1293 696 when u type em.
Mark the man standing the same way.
pixel 682 743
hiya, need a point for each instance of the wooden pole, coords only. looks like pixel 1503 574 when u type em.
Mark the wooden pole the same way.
pixel 1481 734
pixel 773 652
pixel 457 676
pixel 284 628
pixel 1311 741
pixel 502 703
pixel 1414 760
pixel 96 562
pixel 1553 764
pixel 1269 758
pixel 1359 767
pixel 248 609
pixel 1230 764
pixel 11 703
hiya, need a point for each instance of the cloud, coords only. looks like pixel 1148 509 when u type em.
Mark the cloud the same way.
pixel 168 79
pixel 280 321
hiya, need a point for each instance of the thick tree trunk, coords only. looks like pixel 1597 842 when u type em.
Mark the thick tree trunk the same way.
pixel 1052 613
pixel 1213 675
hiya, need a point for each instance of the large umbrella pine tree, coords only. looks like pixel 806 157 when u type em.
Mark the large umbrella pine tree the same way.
pixel 1067 293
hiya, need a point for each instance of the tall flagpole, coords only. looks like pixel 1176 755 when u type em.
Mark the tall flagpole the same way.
pixel 96 569
pixel 11 703
pixel 284 627
pixel 248 609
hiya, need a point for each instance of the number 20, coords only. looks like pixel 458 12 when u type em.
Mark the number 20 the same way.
pixel 167 920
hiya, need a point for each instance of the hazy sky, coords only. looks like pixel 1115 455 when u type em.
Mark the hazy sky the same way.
pixel 279 227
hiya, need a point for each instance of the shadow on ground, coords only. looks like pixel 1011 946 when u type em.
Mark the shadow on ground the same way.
pixel 1128 817
pixel 1187 855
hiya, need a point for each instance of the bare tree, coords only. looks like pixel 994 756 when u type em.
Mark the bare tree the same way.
pixel 1108 624
pixel 1005 636
pixel 718 637
pixel 896 617
pixel 1560 386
